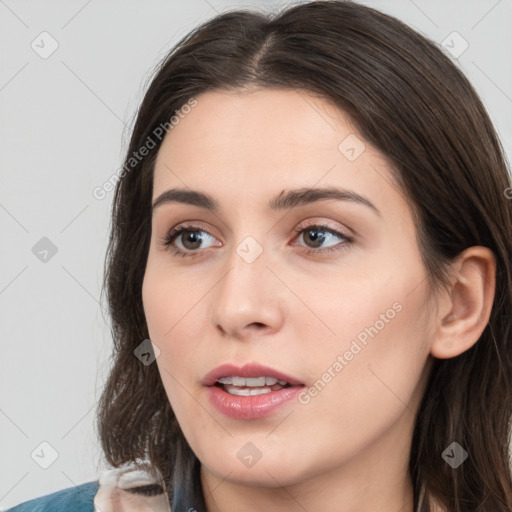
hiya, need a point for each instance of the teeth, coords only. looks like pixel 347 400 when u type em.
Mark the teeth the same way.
pixel 234 390
pixel 251 381
pixel 250 391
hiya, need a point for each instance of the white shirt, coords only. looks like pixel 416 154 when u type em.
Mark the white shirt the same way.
pixel 114 491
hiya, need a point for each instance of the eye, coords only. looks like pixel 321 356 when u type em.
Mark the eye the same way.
pixel 316 233
pixel 189 244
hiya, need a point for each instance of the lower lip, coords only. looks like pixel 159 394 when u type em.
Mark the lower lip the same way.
pixel 250 407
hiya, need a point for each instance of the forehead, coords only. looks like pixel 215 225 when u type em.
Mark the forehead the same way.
pixel 273 117
pixel 264 141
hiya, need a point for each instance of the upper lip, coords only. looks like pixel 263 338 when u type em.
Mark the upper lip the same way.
pixel 247 370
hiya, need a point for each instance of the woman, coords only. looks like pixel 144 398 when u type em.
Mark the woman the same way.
pixel 309 277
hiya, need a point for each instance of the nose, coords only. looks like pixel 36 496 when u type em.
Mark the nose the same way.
pixel 249 301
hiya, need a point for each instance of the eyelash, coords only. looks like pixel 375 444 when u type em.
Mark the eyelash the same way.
pixel 169 238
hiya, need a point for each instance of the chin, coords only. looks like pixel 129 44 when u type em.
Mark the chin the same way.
pixel 272 472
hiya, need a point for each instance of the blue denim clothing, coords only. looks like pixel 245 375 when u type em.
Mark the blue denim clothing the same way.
pixel 72 499
pixel 134 486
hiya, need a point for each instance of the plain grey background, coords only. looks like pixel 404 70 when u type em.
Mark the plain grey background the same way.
pixel 64 127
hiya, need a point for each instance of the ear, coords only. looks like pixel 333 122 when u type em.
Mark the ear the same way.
pixel 465 309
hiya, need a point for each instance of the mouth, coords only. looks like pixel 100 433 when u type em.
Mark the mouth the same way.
pixel 251 391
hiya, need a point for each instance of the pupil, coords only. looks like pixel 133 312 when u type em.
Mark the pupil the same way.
pixel 192 238
pixel 316 237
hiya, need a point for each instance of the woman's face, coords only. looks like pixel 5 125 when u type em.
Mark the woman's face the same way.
pixel 342 316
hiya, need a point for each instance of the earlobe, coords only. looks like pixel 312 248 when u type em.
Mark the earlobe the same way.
pixel 466 308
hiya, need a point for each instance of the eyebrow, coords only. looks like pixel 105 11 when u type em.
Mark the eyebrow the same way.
pixel 287 199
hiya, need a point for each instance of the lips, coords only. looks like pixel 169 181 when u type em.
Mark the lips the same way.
pixel 249 370
pixel 238 394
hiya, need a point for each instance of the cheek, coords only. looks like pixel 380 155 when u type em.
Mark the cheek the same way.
pixel 370 363
pixel 169 304
pixel 368 376
pixel 173 312
pixel 167 321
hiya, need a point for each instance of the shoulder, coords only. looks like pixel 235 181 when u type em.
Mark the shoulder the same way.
pixel 130 488
pixel 79 499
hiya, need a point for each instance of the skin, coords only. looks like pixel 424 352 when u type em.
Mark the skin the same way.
pixel 346 450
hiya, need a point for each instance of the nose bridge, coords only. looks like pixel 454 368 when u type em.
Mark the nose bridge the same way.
pixel 244 295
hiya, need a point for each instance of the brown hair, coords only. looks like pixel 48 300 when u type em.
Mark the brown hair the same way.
pixel 409 100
